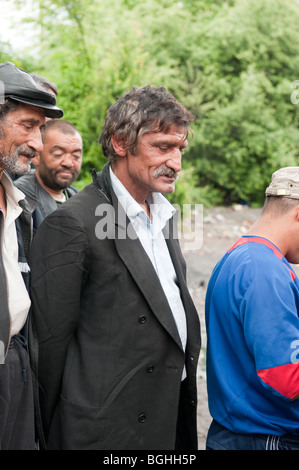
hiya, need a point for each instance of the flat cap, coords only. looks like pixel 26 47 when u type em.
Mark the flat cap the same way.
pixel 285 182
pixel 19 85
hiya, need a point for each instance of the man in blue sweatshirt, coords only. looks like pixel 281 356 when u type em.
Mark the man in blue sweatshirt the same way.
pixel 253 330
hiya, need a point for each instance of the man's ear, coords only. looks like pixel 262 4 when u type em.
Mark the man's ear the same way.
pixel 296 213
pixel 119 147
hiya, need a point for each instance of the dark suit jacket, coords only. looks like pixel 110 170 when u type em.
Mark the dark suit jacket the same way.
pixel 110 357
pixel 35 194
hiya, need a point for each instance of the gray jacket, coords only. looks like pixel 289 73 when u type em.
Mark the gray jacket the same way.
pixel 35 193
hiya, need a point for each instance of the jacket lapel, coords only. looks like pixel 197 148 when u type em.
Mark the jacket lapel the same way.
pixel 140 266
pixel 193 324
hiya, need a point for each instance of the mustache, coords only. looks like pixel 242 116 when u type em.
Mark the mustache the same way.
pixel 27 151
pixel 165 171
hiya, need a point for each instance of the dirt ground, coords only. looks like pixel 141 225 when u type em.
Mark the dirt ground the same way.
pixel 221 228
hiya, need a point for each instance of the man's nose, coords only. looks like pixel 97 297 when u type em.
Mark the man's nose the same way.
pixel 67 160
pixel 175 160
pixel 35 141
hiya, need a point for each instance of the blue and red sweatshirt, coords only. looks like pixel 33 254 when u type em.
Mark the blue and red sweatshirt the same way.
pixel 252 322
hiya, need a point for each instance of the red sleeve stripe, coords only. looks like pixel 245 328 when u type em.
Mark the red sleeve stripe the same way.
pixel 284 379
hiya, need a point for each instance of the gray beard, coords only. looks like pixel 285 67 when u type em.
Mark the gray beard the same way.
pixel 13 165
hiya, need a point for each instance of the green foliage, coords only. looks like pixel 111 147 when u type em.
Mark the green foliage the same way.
pixel 188 192
pixel 231 62
pixel 250 59
pixel 8 55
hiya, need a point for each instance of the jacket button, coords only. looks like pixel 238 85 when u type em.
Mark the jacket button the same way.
pixel 142 319
pixel 150 369
pixel 142 418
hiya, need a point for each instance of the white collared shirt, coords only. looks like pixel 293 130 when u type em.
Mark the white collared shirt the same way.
pixel 149 232
pixel 18 297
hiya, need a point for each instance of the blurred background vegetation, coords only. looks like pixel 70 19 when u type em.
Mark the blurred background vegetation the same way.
pixel 233 63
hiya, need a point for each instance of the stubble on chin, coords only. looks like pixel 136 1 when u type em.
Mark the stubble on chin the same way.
pixel 14 165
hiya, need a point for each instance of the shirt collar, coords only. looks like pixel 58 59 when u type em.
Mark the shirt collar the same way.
pixel 13 197
pixel 161 209
pixel 130 206
pixel 13 194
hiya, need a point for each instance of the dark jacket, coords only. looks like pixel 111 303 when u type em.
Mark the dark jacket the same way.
pixel 36 193
pixel 24 235
pixel 110 356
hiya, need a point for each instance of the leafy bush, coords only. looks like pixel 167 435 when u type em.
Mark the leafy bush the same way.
pixel 231 62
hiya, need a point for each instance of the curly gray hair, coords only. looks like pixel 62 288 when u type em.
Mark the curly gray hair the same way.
pixel 139 111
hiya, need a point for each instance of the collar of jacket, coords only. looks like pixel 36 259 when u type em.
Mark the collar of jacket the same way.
pixel 102 181
pixel 28 204
pixel 30 186
pixel 24 226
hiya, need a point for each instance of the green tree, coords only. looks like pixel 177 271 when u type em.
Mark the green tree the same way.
pixel 249 57
pixel 231 62
pixel 94 54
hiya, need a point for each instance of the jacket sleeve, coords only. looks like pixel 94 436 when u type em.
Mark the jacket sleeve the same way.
pixel 58 268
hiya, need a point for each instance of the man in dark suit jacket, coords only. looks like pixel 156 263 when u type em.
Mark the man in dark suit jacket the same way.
pixel 118 334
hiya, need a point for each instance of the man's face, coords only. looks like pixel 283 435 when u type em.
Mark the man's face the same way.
pixel 20 138
pixel 60 161
pixel 156 165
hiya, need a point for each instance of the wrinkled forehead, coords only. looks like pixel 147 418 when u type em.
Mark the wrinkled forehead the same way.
pixel 25 112
pixel 162 127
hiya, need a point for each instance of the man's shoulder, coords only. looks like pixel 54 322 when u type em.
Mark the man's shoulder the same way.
pixel 234 265
pixel 251 255
pixel 249 263
pixel 89 197
pixel 71 190
pixel 26 183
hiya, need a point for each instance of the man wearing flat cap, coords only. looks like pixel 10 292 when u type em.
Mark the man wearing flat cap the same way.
pixel 252 325
pixel 23 107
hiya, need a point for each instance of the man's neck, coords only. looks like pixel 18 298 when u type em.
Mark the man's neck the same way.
pixel 56 194
pixel 139 196
pixel 139 193
pixel 145 206
pixel 272 231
